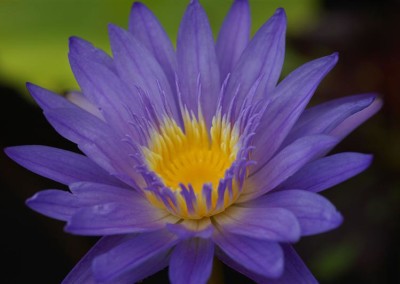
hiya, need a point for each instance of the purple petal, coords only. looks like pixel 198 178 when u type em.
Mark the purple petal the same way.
pixel 90 193
pixel 192 229
pixel 82 272
pixel 197 61
pixel 57 204
pixel 104 89
pixel 137 67
pixel 59 165
pixel 86 50
pixel 191 261
pixel 260 279
pixel 233 36
pixel 117 218
pixel 314 212
pixel 327 172
pixel 295 270
pixel 289 100
pixel 261 60
pixel 323 118
pixel 131 254
pixel 356 119
pixel 81 101
pixel 286 163
pixel 271 224
pixel 261 257
pixel 96 139
pixel 146 28
pixel 47 99
pixel 93 136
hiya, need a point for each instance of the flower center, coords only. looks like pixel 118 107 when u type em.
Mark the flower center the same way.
pixel 192 159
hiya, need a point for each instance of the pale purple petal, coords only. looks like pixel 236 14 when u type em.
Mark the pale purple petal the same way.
pixel 92 193
pixel 82 272
pixel 59 165
pixel 105 90
pixel 118 218
pixel 96 139
pixel 260 279
pixel 289 100
pixel 271 224
pixel 191 261
pixel 197 61
pixel 192 229
pixel 131 254
pixel 295 270
pixel 233 36
pixel 86 50
pixel 137 67
pixel 328 171
pixel 77 98
pixel 47 99
pixel 314 212
pixel 57 204
pixel 261 257
pixel 286 163
pixel 356 119
pixel 323 118
pixel 261 60
pixel 146 28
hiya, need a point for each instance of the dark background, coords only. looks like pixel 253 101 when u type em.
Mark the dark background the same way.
pixel 365 249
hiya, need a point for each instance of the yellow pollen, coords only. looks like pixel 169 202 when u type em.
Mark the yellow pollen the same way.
pixel 192 156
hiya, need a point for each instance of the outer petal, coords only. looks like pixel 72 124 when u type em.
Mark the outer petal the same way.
pixel 96 140
pixel 145 27
pixel 59 165
pixel 116 218
pixel 286 163
pixel 271 224
pixel 233 36
pixel 131 254
pixel 355 120
pixel 91 193
pixel 137 67
pixel 93 136
pixel 314 212
pixel 197 61
pixel 85 49
pixel 295 271
pixel 261 257
pixel 191 261
pixel 327 172
pixel 323 118
pixel 80 100
pixel 57 204
pixel 104 89
pixel 289 100
pixel 261 60
pixel 82 272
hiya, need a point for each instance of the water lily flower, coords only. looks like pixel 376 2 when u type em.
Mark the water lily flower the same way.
pixel 196 152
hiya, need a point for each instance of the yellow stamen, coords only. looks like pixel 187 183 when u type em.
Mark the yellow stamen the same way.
pixel 193 156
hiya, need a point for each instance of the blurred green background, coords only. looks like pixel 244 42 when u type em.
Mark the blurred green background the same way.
pixel 34 45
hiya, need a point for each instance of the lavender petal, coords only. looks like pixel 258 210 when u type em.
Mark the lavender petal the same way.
pixel 59 165
pixel 233 36
pixel 328 171
pixel 288 101
pixel 191 261
pixel 261 257
pixel 197 62
pixel 314 212
pixel 57 204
